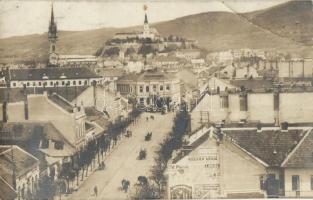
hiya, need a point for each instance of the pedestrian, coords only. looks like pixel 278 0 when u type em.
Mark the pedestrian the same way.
pixel 95 189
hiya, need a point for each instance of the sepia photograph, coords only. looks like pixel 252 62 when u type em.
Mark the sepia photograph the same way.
pixel 156 99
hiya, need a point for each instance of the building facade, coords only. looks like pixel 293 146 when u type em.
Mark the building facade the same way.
pixel 52 77
pixel 151 88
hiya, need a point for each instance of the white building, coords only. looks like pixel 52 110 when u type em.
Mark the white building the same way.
pixel 52 77
pixel 26 170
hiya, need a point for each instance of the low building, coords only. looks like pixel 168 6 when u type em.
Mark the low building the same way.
pixel 20 170
pixel 76 60
pixel 188 53
pixel 52 77
pixel 151 88
pixel 272 161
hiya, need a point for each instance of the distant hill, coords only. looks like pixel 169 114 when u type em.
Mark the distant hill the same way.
pixel 286 27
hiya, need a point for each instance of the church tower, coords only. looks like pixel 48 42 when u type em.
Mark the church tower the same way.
pixel 52 36
pixel 146 28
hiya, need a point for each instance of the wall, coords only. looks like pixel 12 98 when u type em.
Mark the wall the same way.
pixel 261 107
pixel 305 182
pixel 296 107
pixel 293 108
pixel 240 172
pixel 194 171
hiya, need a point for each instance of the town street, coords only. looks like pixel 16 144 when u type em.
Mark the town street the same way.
pixel 122 163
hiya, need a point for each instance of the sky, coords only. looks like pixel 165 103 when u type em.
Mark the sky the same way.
pixel 25 17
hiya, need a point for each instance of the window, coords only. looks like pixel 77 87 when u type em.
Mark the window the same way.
pixel 311 182
pixel 167 87
pixel 243 102
pixel 63 82
pixel 295 182
pixel 39 83
pixel 27 84
pixel 161 87
pixel 141 100
pixel 79 82
pixel 51 83
pixel 34 83
pixel 147 88
pixel 14 84
pixel 281 181
pixel 74 82
pixel 141 88
pixel 85 82
pixel 262 183
pixel 224 102
pixel 154 88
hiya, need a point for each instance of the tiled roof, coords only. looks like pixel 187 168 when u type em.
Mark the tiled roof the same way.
pixel 52 73
pixel 302 156
pixel 271 146
pixel 97 117
pixel 7 192
pixel 253 84
pixel 148 76
pixel 111 72
pixel 24 162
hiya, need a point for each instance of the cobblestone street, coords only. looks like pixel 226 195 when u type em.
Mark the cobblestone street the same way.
pixel 122 163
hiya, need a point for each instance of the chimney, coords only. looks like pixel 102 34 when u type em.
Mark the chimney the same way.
pixel 284 126
pixel 25 102
pixel 4 112
pixel 94 84
pixel 259 128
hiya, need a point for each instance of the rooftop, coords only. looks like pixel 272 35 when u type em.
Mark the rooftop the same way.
pixel 271 146
pixel 302 155
pixel 23 161
pixel 7 192
pixel 52 73
pixel 151 75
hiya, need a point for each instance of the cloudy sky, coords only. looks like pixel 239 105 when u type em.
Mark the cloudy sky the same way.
pixel 32 16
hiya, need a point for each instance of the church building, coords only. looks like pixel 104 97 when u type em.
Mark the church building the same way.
pixel 55 59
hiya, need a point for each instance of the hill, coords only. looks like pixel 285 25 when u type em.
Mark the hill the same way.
pixel 286 27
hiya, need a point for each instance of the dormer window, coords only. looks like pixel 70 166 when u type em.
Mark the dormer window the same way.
pixel 45 76
pixel 62 76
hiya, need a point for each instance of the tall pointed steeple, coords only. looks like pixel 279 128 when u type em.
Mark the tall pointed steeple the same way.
pixel 52 25
pixel 52 36
pixel 52 15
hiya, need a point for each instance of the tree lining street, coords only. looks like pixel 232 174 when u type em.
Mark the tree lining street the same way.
pixel 122 163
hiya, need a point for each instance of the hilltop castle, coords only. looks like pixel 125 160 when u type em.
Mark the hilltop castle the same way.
pixel 146 33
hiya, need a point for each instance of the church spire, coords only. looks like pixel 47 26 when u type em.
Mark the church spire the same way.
pixel 52 15
pixel 52 25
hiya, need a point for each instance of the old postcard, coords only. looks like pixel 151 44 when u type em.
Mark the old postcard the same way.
pixel 156 99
